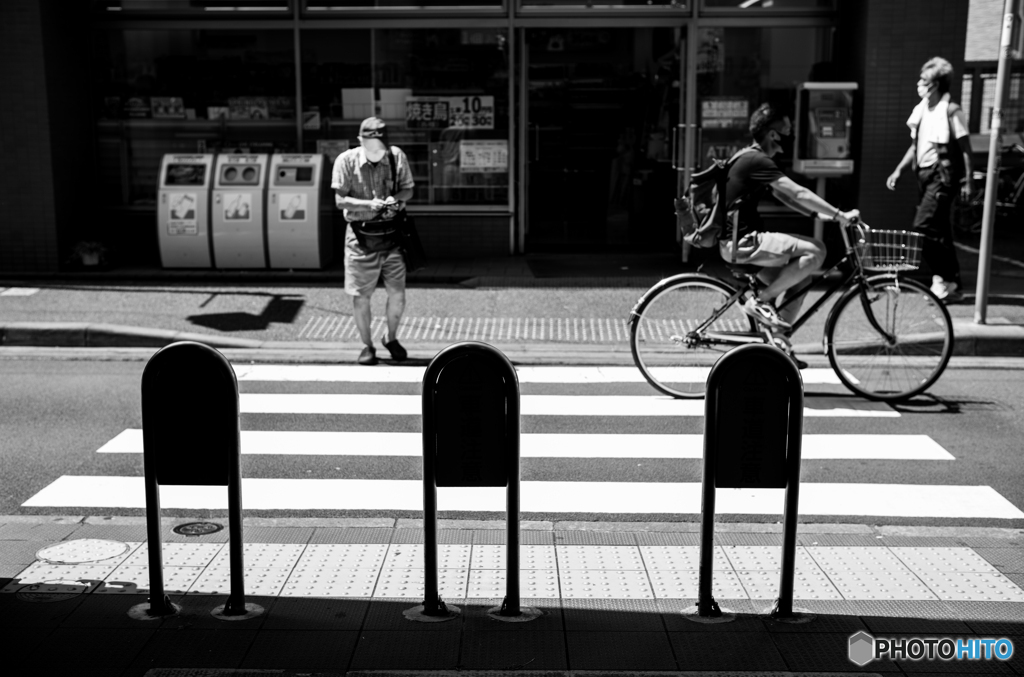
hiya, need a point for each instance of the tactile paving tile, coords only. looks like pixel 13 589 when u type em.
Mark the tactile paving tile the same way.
pixel 178 554
pixel 344 556
pixel 263 555
pixel 761 584
pixel 680 557
pixel 409 583
pixel 683 584
pixel 40 572
pixel 880 585
pixel 530 557
pixel 921 560
pixel 599 557
pixel 606 584
pixel 262 581
pixel 765 558
pixel 972 586
pixel 490 583
pixel 853 559
pixel 134 579
pixel 410 556
pixel 331 582
pixel 85 550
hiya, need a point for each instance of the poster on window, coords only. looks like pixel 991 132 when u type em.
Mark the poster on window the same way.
pixel 292 206
pixel 482 157
pixel 423 112
pixel 724 112
pixel 471 112
pixel 181 217
pixel 237 206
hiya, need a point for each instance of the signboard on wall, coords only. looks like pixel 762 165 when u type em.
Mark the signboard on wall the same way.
pixel 460 112
pixel 481 157
pixel 724 112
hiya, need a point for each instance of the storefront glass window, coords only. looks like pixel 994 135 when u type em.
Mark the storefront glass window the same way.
pixel 740 68
pixel 341 5
pixel 1013 111
pixel 188 91
pixel 605 4
pixel 443 93
pixel 205 7
pixel 769 5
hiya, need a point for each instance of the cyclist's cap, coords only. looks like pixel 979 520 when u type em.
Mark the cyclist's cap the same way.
pixel 372 128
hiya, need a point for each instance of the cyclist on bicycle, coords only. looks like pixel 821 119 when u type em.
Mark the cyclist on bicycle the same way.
pixel 787 259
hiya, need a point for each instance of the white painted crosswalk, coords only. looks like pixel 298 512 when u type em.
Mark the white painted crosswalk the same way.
pixel 544 496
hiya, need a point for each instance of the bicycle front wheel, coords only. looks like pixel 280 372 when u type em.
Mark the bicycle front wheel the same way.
pixel 909 353
pixel 669 338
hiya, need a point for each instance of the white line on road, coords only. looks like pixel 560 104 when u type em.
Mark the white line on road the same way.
pixel 872 500
pixel 19 291
pixel 536 405
pixel 537 445
pixel 391 374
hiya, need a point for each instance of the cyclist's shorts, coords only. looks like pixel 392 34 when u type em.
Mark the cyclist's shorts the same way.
pixel 771 250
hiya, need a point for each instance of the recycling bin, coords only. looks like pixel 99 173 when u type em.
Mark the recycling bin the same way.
pixel 297 235
pixel 239 199
pixel 183 210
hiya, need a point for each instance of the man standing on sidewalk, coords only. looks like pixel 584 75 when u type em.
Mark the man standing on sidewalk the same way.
pixel 363 183
pixel 941 154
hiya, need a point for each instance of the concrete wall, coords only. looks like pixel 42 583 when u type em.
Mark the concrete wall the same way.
pixel 984 27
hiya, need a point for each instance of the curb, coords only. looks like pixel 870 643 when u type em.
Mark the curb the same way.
pixel 971 340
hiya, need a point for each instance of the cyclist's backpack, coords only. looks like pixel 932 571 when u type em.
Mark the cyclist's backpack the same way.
pixel 702 212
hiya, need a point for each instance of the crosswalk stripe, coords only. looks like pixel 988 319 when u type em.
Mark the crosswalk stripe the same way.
pixel 392 374
pixel 538 445
pixel 536 405
pixel 829 499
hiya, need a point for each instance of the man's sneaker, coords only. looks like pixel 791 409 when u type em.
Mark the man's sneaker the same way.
pixel 953 293
pixel 939 287
pixel 368 356
pixel 398 353
pixel 765 313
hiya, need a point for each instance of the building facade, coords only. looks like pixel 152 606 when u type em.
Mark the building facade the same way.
pixel 531 125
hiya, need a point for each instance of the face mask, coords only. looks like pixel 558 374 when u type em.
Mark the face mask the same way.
pixel 376 153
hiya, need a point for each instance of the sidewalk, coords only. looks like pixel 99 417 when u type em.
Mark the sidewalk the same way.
pixel 334 590
pixel 301 311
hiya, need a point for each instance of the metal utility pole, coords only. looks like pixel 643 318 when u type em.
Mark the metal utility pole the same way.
pixel 1006 47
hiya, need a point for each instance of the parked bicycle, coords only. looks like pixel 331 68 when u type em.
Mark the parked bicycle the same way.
pixel 967 213
pixel 887 338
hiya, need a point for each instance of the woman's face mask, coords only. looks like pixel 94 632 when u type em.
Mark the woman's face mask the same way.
pixel 374 149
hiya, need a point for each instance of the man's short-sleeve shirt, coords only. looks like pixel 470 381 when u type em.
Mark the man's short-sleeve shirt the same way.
pixel 355 176
pixel 930 127
pixel 749 179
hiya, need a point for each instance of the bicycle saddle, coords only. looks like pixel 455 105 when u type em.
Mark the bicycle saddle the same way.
pixel 741 269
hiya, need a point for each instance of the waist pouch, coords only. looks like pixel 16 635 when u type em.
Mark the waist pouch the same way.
pixel 378 236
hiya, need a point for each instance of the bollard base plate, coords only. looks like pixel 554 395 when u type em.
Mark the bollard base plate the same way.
pixel 251 611
pixel 140 612
pixel 416 614
pixel 692 613
pixel 799 616
pixel 526 614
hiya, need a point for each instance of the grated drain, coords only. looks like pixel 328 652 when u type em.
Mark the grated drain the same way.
pixel 197 528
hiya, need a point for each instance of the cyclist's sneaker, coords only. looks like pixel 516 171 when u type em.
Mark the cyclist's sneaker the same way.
pixel 939 287
pixel 765 313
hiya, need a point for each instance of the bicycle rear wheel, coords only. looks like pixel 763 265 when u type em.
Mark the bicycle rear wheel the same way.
pixel 872 366
pixel 672 354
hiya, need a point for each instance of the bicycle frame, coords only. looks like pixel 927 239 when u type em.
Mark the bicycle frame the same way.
pixel 854 277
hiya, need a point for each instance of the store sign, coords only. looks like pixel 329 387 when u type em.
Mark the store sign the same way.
pixel 483 156
pixel 724 112
pixel 459 112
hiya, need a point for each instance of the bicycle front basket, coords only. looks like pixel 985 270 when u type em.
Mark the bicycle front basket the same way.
pixel 890 250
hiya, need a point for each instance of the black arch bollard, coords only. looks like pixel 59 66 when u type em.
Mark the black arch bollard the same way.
pixel 470 439
pixel 190 431
pixel 753 428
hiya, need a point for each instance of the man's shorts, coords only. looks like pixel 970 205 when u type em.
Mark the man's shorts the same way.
pixel 363 269
pixel 769 250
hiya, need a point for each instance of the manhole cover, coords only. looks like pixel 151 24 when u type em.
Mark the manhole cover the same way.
pixel 81 550
pixel 51 591
pixel 197 528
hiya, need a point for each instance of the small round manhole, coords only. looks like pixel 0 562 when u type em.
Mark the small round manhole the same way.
pixel 197 528
pixel 82 550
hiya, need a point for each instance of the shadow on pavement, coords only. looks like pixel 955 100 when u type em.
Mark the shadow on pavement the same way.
pixel 279 309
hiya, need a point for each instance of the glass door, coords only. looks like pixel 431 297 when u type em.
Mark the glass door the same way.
pixel 601 108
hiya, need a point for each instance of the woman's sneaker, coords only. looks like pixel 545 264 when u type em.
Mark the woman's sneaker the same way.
pixel 765 313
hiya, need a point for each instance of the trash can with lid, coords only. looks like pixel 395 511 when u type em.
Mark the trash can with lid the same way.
pixel 239 201
pixel 297 237
pixel 183 210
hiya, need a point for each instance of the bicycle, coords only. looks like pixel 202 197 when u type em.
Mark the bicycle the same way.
pixel 887 337
pixel 967 213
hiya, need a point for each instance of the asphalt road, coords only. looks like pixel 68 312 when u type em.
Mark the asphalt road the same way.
pixel 57 413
